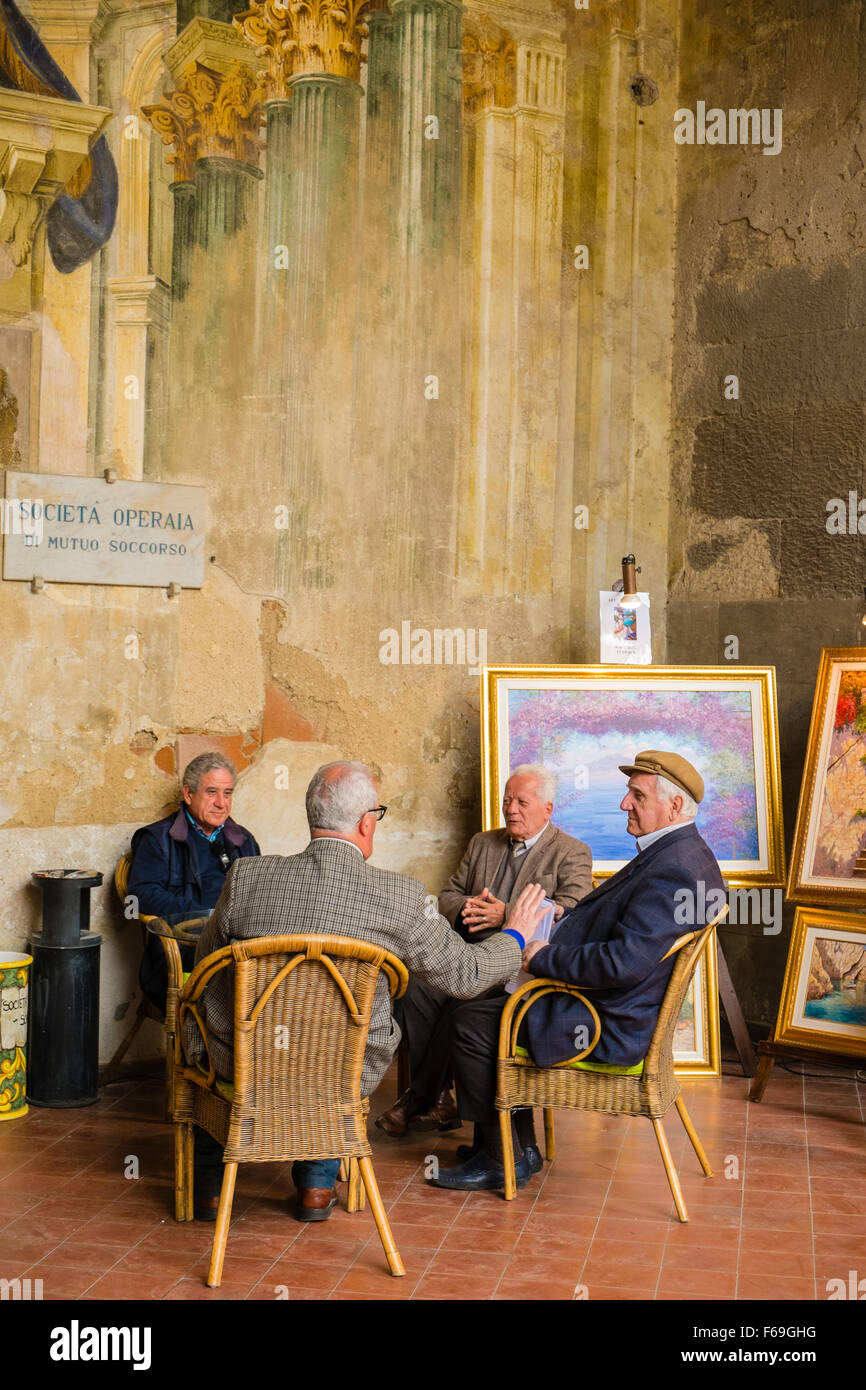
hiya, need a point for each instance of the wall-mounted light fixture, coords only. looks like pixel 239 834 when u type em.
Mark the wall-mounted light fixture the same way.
pixel 628 584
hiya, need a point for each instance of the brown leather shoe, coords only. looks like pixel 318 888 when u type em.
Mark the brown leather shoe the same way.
pixel 395 1122
pixel 205 1208
pixel 314 1203
pixel 443 1115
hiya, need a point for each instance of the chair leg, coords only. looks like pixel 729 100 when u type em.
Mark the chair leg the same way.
pixel 670 1169
pixel 507 1155
pixel 693 1135
pixel 169 1078
pixel 189 1165
pixel 549 1137
pixel 395 1264
pixel 128 1037
pixel 180 1173
pixel 355 1195
pixel 343 1175
pixel 224 1216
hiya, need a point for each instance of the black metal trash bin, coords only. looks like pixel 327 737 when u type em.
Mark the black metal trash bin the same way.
pixel 63 1027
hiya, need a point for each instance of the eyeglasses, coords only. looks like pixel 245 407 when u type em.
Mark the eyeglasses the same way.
pixel 377 811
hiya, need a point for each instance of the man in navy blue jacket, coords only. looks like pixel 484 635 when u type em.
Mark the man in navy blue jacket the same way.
pixel 613 942
pixel 180 863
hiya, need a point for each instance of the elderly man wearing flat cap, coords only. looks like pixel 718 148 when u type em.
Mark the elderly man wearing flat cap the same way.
pixel 613 942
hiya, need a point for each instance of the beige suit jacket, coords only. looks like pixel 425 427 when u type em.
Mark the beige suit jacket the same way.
pixel 330 890
pixel 561 864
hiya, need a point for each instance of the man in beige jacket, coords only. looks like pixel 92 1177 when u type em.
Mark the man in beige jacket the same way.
pixel 478 900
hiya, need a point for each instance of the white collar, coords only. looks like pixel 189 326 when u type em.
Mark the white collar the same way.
pixel 524 845
pixel 340 841
pixel 644 841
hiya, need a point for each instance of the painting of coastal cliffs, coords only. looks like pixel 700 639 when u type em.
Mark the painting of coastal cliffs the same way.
pixel 824 995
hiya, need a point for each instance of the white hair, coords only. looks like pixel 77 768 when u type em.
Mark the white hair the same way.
pixel 545 784
pixel 339 802
pixel 668 790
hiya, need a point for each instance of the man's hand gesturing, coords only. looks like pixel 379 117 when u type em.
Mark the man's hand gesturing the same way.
pixel 483 912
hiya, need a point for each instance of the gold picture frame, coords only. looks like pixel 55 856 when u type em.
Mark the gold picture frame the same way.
pixel 827 953
pixel 579 707
pixel 829 831
pixel 698 1023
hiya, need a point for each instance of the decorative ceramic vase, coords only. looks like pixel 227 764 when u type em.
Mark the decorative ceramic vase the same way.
pixel 14 973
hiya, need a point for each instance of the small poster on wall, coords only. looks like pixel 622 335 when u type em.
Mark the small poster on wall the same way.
pixel 625 629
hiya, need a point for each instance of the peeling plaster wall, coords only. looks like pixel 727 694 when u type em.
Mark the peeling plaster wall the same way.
pixel 771 287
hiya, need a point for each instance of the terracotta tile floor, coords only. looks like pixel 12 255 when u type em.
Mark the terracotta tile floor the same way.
pixel 785 1213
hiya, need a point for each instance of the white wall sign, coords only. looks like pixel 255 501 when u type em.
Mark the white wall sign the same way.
pixel 74 530
pixel 625 629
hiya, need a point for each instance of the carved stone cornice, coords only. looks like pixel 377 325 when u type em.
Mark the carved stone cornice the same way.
pixel 217 45
pixel 307 36
pixel 43 143
pixel 489 65
pixel 213 113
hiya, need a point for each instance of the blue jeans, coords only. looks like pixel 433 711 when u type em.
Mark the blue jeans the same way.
pixel 317 1172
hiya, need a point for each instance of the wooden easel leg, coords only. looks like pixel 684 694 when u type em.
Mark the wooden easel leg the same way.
pixel 762 1076
pixel 734 1014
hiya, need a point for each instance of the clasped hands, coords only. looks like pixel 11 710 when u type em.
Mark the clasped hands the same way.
pixel 484 911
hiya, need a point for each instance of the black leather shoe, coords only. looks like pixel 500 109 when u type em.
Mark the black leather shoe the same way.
pixel 530 1153
pixel 205 1208
pixel 480 1174
pixel 533 1158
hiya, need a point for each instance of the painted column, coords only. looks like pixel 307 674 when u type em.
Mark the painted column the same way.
pixel 515 109
pixel 413 201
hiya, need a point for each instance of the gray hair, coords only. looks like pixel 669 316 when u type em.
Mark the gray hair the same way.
pixel 546 785
pixel 338 802
pixel 204 763
pixel 668 790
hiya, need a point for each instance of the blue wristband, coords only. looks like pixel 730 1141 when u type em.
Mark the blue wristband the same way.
pixel 509 931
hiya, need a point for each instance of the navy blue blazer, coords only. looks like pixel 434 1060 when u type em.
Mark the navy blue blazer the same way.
pixel 164 876
pixel 612 943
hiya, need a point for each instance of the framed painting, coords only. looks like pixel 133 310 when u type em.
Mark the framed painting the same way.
pixel 828 860
pixel 696 1036
pixel 824 993
pixel 583 721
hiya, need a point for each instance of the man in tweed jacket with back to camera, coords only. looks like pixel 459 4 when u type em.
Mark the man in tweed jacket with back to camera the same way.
pixel 330 889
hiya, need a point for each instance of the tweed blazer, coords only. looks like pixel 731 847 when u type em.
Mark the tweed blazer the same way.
pixel 561 864
pixel 329 889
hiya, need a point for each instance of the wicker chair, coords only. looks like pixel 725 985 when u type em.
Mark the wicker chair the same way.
pixel 300 1031
pixel 146 1010
pixel 521 1083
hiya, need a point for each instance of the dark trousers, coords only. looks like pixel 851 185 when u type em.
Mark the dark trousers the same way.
pixel 208 1177
pixel 425 1016
pixel 474 1047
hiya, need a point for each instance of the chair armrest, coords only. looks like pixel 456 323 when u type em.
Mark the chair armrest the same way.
pixel 521 1002
pixel 187 998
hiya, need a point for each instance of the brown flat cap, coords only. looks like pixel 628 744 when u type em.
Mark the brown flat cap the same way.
pixel 672 766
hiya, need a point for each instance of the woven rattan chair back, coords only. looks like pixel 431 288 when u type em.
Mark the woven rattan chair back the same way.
pixel 649 1094
pixel 302 1008
pixel 301 1019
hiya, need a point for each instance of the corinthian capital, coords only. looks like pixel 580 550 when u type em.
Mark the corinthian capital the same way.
pixel 307 36
pixel 212 113
pixel 489 64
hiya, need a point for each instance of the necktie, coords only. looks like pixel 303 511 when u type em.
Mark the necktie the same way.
pixel 508 871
